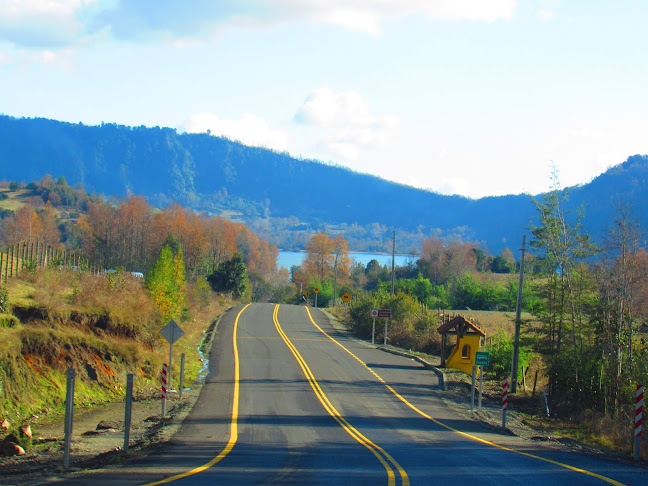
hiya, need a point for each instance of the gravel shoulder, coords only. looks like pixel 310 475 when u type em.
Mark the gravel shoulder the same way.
pixel 97 438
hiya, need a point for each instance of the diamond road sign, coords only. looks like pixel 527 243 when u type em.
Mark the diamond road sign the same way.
pixel 172 332
pixel 482 358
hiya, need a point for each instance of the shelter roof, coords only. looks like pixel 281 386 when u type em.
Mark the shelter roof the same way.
pixel 460 325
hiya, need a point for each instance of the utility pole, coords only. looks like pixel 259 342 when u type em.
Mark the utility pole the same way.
pixel 393 261
pixel 518 322
pixel 335 281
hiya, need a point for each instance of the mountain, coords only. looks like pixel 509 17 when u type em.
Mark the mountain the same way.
pixel 282 194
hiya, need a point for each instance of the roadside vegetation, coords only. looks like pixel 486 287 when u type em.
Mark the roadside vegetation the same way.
pixel 584 326
pixel 105 323
pixel 584 321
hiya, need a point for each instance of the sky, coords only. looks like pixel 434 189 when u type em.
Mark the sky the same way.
pixel 470 97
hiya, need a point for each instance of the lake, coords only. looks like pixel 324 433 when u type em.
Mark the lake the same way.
pixel 289 258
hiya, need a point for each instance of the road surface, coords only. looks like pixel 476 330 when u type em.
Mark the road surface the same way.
pixel 289 400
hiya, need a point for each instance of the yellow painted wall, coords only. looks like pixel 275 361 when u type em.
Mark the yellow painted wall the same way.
pixel 455 359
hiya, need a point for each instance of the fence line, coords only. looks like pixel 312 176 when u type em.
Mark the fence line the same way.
pixel 27 255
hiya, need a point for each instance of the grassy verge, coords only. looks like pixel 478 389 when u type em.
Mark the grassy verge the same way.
pixel 102 327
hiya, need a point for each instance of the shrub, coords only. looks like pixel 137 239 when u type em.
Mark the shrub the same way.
pixel 4 300
pixel 501 355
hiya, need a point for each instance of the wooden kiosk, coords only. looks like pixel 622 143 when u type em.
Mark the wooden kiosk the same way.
pixel 469 337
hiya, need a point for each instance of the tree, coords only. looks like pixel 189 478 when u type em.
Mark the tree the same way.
pixel 14 186
pixel 230 276
pixel 561 247
pixel 504 262
pixel 320 260
pixel 166 284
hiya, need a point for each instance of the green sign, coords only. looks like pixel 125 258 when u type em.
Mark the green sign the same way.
pixel 482 358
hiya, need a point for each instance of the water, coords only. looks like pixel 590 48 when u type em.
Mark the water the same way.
pixel 289 258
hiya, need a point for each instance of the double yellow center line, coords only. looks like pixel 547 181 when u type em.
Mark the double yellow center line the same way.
pixel 388 462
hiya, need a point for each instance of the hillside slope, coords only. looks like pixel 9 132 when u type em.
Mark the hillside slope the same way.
pixel 215 174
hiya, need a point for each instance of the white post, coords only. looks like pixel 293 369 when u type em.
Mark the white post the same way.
pixel 505 389
pixel 373 332
pixel 182 362
pixel 638 420
pixel 474 376
pixel 385 341
pixel 69 416
pixel 164 388
pixel 481 385
pixel 128 409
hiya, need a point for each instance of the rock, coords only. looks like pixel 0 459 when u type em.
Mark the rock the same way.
pixel 106 425
pixel 5 425
pixel 26 431
pixel 10 448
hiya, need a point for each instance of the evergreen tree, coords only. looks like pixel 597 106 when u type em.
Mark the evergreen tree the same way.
pixel 230 276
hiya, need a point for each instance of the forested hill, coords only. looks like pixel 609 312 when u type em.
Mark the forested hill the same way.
pixel 215 174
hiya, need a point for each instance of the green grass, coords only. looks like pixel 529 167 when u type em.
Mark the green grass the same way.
pixel 115 331
pixel 15 199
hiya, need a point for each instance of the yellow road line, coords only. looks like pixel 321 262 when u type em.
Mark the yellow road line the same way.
pixel 279 338
pixel 384 458
pixel 234 425
pixel 464 434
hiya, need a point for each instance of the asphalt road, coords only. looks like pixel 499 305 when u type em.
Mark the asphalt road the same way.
pixel 289 400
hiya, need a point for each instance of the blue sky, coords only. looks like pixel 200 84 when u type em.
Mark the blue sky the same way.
pixel 472 97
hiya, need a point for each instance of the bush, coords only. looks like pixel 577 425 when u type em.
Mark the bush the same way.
pixel 501 355
pixel 4 300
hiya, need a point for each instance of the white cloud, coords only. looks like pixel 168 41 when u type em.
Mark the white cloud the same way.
pixel 5 59
pixel 42 23
pixel 346 123
pixel 450 186
pixel 546 14
pixel 249 129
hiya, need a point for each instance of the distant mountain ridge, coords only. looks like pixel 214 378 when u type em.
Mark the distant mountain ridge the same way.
pixel 214 174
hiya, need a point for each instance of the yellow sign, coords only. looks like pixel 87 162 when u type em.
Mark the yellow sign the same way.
pixel 306 294
pixel 346 297
pixel 316 290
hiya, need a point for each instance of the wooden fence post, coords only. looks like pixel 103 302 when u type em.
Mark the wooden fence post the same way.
pixel 1 262
pixel 10 261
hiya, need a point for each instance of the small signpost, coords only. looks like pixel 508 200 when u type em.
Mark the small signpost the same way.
pixel 171 332
pixel 373 314
pixel 346 297
pixel 482 359
pixel 316 291
pixel 386 313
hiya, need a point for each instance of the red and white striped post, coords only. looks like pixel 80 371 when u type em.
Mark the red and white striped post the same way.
pixel 638 420
pixel 164 388
pixel 505 389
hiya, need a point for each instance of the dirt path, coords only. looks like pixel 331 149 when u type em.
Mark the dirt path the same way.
pixel 97 438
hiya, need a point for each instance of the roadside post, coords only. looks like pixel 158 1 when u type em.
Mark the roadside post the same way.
pixel 374 314
pixel 346 298
pixel 638 420
pixel 128 410
pixel 182 362
pixel 164 388
pixel 69 416
pixel 482 358
pixel 505 388
pixel 316 290
pixel 474 376
pixel 171 332
pixel 386 313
